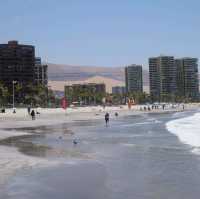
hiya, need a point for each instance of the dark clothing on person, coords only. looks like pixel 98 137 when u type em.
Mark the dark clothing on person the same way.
pixel 33 114
pixel 75 142
pixel 107 118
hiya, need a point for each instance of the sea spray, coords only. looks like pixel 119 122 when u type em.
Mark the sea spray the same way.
pixel 186 129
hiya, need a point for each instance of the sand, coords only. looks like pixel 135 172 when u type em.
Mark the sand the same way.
pixel 11 160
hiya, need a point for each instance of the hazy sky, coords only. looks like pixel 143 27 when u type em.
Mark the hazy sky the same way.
pixel 103 32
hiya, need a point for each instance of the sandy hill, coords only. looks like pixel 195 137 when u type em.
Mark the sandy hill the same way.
pixel 59 72
pixel 60 75
pixel 59 85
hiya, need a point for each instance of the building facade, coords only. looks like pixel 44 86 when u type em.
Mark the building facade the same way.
pixel 119 90
pixel 154 78
pixel 41 76
pixel 84 93
pixel 20 69
pixel 162 75
pixel 187 77
pixel 133 78
pixel 180 77
pixel 17 63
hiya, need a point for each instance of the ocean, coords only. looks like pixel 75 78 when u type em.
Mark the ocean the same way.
pixel 147 156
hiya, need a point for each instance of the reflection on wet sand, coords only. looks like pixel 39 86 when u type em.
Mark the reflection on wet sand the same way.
pixel 27 144
pixel 26 147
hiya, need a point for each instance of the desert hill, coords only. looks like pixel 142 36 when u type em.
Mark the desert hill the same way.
pixel 60 75
pixel 59 85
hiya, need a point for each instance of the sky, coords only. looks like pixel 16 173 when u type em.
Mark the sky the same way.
pixel 103 32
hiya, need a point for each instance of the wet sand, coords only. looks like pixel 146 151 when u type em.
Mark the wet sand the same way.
pixel 135 157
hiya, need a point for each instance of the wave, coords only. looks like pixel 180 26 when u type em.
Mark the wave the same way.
pixel 141 123
pixel 186 129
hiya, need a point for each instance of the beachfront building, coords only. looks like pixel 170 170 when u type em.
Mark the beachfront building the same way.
pixel 17 63
pixel 133 78
pixel 187 78
pixel 86 94
pixel 119 90
pixel 41 76
pixel 162 75
pixel 20 70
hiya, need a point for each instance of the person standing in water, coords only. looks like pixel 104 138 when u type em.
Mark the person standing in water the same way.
pixel 33 114
pixel 107 117
pixel 75 142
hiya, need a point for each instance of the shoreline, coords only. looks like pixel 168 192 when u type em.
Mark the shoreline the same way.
pixel 49 117
pixel 12 160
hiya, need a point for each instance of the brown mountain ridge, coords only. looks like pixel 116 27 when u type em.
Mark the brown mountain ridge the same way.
pixel 60 75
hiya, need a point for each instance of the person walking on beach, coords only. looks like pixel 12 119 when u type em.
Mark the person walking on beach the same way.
pixel 33 114
pixel 107 117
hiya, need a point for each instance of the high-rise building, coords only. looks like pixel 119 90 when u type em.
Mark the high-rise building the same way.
pixel 162 72
pixel 180 77
pixel 17 63
pixel 187 77
pixel 134 80
pixel 154 78
pixel 20 68
pixel 41 76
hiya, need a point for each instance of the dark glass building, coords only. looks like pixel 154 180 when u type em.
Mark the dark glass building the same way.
pixel 17 63
pixel 20 68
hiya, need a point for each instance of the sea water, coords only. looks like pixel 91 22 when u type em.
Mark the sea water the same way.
pixel 135 157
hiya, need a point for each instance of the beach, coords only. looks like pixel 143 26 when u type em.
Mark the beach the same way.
pixel 138 151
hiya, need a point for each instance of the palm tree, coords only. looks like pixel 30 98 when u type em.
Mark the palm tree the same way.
pixel 4 94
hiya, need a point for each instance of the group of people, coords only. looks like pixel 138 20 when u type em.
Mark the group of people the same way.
pixel 152 107
pixel 145 108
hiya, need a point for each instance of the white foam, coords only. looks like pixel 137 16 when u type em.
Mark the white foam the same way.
pixel 196 151
pixel 186 129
